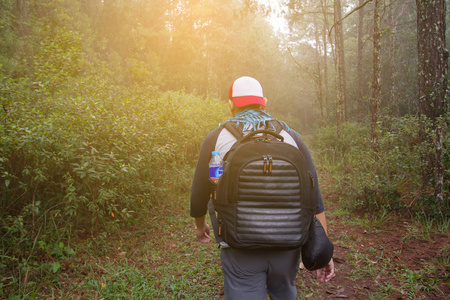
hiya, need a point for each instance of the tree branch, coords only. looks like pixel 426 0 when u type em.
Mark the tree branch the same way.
pixel 314 78
pixel 348 15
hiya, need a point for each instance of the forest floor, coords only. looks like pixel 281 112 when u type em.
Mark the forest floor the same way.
pixel 376 257
pixel 381 256
pixel 388 257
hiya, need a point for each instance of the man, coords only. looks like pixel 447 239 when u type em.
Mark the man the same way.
pixel 251 274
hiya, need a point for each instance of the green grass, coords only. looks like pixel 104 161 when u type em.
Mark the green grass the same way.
pixel 161 261
pixel 158 258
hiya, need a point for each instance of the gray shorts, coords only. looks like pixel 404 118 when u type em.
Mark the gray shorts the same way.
pixel 252 274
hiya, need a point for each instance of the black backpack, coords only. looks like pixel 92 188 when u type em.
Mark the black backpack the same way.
pixel 264 197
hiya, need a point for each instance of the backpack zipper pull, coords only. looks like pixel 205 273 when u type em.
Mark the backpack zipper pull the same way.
pixel 265 164
pixel 270 164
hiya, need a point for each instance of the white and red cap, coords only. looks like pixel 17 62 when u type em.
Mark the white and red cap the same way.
pixel 245 91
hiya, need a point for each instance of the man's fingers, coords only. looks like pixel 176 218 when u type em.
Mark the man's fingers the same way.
pixel 327 275
pixel 204 238
pixel 328 278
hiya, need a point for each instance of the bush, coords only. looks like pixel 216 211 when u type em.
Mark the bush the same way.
pixel 91 160
pixel 81 152
pixel 390 177
pixel 101 155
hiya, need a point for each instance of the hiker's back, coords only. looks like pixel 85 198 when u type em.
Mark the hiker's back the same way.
pixel 264 198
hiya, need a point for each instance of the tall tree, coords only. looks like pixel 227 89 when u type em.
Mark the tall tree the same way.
pixel 340 66
pixel 393 59
pixel 432 78
pixel 376 66
pixel 325 50
pixel 319 73
pixel 432 57
pixel 308 22
pixel 360 60
pixel 21 16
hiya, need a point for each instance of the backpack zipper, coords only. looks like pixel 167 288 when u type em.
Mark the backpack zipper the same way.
pixel 270 164
pixel 265 164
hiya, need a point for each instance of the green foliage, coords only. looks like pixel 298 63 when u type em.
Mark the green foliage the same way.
pixel 96 149
pixel 389 177
pixel 7 34
pixel 133 264
pixel 92 135
pixel 89 159
pixel 59 59
pixel 80 151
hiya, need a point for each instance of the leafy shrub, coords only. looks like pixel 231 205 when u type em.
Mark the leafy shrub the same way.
pixel 389 177
pixel 58 60
pixel 90 158
pixel 98 153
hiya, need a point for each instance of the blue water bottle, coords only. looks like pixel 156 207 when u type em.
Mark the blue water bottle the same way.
pixel 215 166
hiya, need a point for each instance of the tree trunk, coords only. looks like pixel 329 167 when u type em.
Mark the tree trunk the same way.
pixel 21 16
pixel 340 65
pixel 432 73
pixel 325 52
pixel 319 75
pixel 360 104
pixel 376 79
pixel 432 57
pixel 393 99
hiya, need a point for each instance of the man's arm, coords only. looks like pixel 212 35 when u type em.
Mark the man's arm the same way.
pixel 201 188
pixel 325 274
pixel 202 230
pixel 323 220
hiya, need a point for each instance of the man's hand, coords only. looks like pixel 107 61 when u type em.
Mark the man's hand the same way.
pixel 325 274
pixel 202 230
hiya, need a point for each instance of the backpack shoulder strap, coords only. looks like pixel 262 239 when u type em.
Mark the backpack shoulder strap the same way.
pixel 214 222
pixel 231 127
pixel 277 125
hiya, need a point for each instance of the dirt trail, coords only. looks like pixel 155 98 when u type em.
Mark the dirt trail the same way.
pixel 388 258
pixel 384 257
